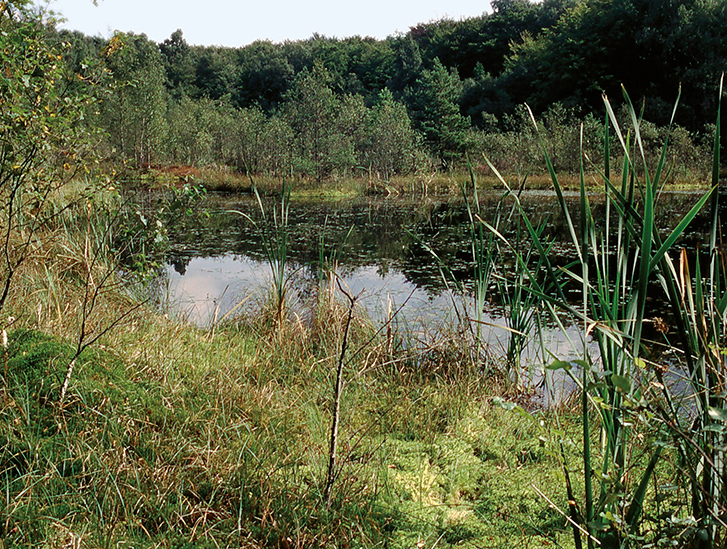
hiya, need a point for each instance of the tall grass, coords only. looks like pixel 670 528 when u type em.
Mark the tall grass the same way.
pixel 521 307
pixel 483 259
pixel 274 236
pixel 631 418
pixel 496 279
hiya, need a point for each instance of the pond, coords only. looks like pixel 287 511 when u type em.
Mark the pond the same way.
pixel 383 250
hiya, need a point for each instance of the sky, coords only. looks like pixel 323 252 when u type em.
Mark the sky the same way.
pixel 238 23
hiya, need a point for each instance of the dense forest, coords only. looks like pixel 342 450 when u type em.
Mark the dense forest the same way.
pixel 327 106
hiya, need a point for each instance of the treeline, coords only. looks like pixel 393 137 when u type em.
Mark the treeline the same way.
pixel 327 106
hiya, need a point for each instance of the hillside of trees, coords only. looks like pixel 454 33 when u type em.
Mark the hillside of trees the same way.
pixel 326 106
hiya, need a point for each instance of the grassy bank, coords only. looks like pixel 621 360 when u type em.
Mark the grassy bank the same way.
pixel 436 184
pixel 171 436
pixel 516 154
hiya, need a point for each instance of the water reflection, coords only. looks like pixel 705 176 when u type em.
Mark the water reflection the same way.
pixel 209 287
pixel 375 242
pixel 218 261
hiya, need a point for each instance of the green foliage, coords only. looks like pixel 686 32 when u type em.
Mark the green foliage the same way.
pixel 178 63
pixel 389 141
pixel 135 112
pixel 434 107
pixel 648 46
pixel 215 72
pixel 202 132
pixel 313 112
pixel 43 140
pixel 626 401
pixel 265 76
pixel 176 103
pixel 140 228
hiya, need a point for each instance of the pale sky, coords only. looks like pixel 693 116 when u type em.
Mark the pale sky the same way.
pixel 238 23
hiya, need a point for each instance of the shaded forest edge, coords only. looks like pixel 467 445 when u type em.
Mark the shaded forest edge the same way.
pixel 411 107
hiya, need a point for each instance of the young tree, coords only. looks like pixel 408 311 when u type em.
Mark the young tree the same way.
pixel 434 108
pixel 408 65
pixel 312 112
pixel 43 140
pixel 202 132
pixel 278 145
pixel 390 144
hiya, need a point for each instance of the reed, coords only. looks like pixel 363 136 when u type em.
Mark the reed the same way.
pixel 483 255
pixel 483 259
pixel 274 236
pixel 700 305
pixel 624 398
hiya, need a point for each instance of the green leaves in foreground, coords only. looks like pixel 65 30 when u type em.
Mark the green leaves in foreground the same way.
pixel 626 405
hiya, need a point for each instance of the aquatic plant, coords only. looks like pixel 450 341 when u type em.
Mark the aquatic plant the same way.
pixel 274 237
pixel 625 401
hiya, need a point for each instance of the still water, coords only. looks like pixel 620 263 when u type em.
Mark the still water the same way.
pixel 382 249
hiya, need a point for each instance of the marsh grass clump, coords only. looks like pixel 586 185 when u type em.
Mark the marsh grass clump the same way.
pixel 639 428
pixel 178 446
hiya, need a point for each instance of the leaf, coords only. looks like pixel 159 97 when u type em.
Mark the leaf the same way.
pixel 599 525
pixel 621 383
pixel 718 414
pixel 559 365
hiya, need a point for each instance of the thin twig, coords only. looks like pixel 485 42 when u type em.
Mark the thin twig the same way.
pixel 337 399
pixel 570 520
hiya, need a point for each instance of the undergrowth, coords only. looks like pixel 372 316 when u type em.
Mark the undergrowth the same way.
pixel 173 436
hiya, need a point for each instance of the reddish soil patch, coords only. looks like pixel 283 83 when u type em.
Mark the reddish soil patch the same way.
pixel 182 172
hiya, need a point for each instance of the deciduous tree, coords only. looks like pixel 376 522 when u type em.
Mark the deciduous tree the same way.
pixel 43 140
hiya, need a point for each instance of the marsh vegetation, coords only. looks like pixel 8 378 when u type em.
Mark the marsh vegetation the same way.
pixel 297 417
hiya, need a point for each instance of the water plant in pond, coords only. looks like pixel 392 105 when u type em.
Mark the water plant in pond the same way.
pixel 701 313
pixel 274 236
pixel 483 253
pixel 483 259
pixel 521 307
pixel 491 269
pixel 626 401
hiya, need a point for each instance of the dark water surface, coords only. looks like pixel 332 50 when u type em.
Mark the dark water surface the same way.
pixel 218 261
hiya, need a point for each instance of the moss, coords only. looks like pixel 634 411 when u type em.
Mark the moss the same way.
pixel 190 430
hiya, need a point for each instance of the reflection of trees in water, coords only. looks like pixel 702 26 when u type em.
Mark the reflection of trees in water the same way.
pixel 374 232
pixel 180 263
